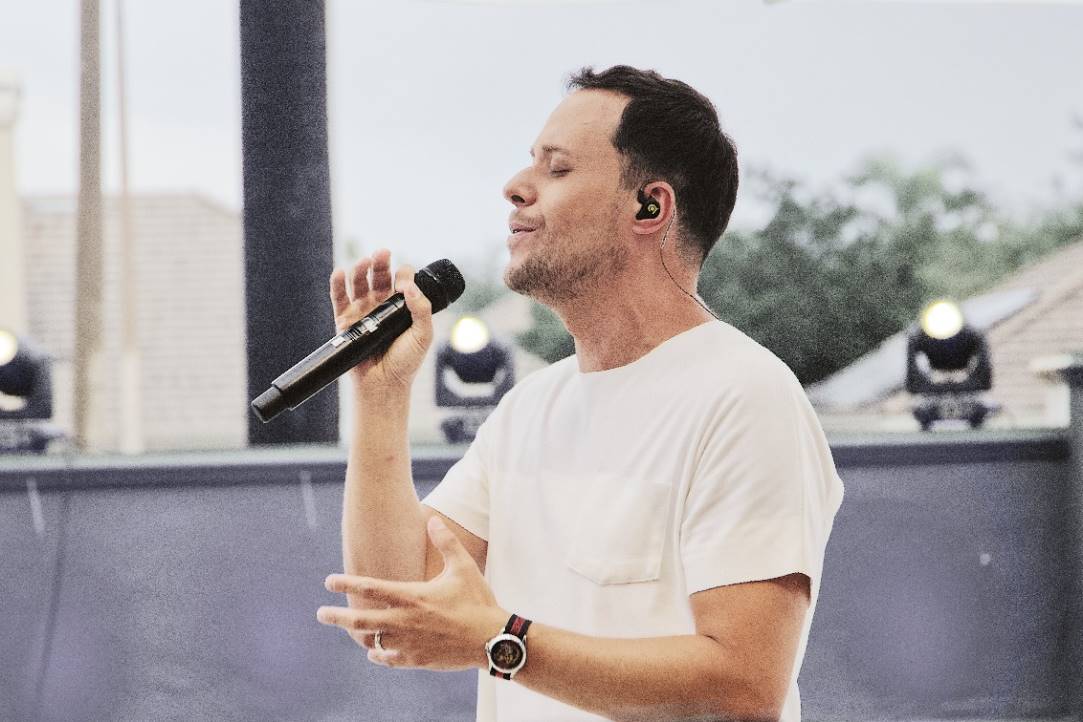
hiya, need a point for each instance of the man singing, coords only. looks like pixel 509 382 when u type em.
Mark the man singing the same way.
pixel 638 530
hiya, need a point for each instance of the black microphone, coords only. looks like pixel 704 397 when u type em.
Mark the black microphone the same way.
pixel 441 283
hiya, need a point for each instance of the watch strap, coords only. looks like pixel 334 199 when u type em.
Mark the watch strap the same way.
pixel 516 625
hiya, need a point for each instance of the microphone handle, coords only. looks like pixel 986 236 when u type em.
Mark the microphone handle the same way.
pixel 370 336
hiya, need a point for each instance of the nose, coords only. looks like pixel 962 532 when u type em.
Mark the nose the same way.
pixel 519 191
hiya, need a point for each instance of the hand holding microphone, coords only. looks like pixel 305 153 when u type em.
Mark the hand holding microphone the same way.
pixel 355 295
pixel 383 335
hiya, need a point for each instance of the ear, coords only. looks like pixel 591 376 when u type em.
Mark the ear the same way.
pixel 661 193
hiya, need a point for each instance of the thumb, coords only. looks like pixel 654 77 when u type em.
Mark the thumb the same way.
pixel 449 546
pixel 420 311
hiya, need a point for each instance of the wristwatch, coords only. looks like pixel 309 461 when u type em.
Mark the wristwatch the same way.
pixel 507 651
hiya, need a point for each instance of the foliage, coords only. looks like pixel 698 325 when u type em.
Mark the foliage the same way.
pixel 478 294
pixel 803 289
pixel 547 338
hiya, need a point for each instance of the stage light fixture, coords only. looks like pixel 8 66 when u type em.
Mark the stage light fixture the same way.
pixel 942 319
pixel 473 372
pixel 9 346
pixel 947 366
pixel 24 379
pixel 469 335
pixel 26 395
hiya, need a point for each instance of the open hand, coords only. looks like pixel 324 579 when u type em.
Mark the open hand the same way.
pixel 441 624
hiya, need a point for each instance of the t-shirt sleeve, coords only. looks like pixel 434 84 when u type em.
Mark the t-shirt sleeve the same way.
pixel 463 494
pixel 765 491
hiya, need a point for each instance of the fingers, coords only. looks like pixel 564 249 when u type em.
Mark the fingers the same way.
pixel 387 642
pixel 398 594
pixel 380 285
pixel 381 273
pixel 339 300
pixel 358 286
pixel 359 283
pixel 367 621
pixel 388 658
pixel 404 276
pixel 421 312
pixel 418 303
pixel 367 639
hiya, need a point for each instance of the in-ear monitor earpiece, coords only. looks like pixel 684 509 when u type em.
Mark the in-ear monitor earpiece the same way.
pixel 648 207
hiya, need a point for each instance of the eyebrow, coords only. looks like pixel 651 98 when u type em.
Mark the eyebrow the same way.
pixel 551 149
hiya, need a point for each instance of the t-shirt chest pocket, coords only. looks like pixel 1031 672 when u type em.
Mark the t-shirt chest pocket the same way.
pixel 619 529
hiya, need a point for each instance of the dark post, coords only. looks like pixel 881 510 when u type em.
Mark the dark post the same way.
pixel 1070 369
pixel 287 207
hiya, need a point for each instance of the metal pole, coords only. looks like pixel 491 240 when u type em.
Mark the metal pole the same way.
pixel 1071 371
pixel 88 253
pixel 287 207
pixel 131 439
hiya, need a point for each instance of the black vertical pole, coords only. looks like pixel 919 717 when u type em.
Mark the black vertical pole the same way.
pixel 1071 370
pixel 287 207
pixel 1069 657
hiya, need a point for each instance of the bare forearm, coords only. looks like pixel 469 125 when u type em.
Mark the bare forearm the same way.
pixel 383 528
pixel 658 678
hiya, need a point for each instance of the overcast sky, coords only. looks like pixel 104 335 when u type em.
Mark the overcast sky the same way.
pixel 434 105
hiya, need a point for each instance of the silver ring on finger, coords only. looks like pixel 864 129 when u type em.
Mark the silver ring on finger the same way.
pixel 376 641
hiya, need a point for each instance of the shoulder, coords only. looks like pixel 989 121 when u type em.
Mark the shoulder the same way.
pixel 761 435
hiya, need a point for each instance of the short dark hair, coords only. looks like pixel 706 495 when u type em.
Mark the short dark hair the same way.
pixel 669 131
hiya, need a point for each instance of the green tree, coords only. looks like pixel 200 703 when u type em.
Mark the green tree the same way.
pixel 807 285
pixel 478 293
pixel 547 337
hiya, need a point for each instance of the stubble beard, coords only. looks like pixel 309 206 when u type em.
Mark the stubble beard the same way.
pixel 558 271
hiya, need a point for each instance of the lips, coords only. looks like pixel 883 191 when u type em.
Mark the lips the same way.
pixel 520 229
pixel 517 236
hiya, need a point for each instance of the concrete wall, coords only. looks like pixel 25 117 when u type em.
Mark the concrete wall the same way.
pixel 185 587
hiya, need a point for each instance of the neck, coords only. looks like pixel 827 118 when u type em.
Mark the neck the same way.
pixel 617 324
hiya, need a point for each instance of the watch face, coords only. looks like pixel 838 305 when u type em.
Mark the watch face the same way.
pixel 506 654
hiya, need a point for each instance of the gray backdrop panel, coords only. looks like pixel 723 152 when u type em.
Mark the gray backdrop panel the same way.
pixel 178 593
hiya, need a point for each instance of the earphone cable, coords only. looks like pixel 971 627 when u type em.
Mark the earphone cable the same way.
pixel 662 258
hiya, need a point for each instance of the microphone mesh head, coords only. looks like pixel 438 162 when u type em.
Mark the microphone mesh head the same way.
pixel 441 282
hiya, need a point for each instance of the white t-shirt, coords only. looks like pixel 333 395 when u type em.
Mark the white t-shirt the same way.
pixel 608 497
